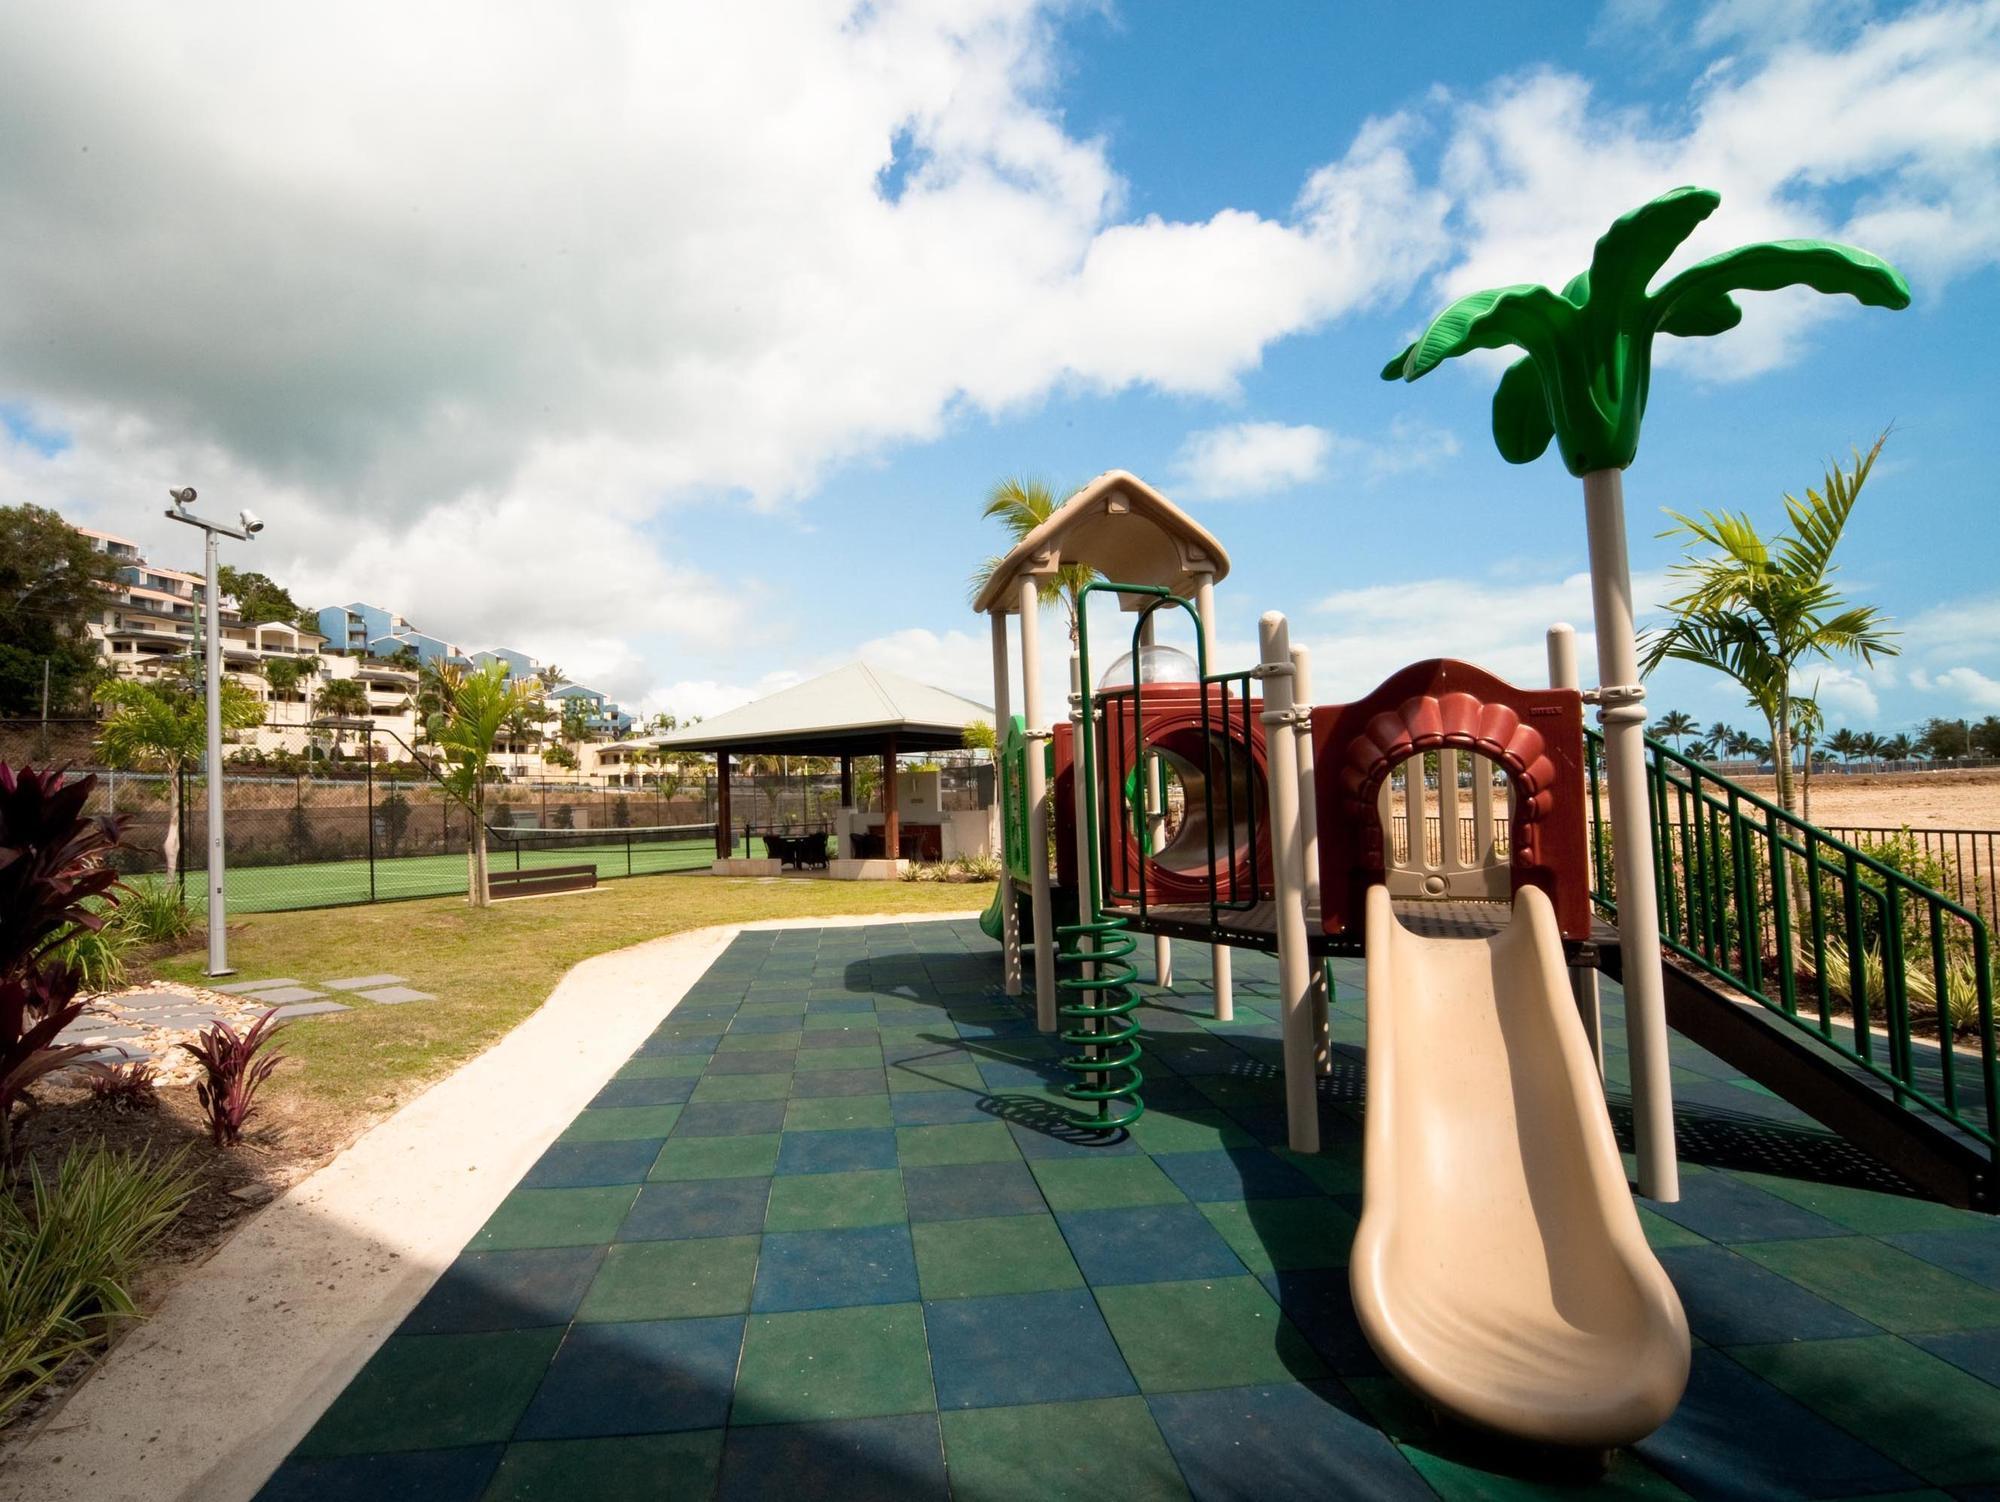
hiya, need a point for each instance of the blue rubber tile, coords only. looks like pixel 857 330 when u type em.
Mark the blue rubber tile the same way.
pixel 816 1083
pixel 856 1036
pixel 1731 1301
pixel 1320 1303
pixel 697 1207
pixel 414 1476
pixel 523 1290
pixel 586 1165
pixel 757 1061
pixel 845 1460
pixel 660 1092
pixel 834 1269
pixel 1281 1444
pixel 1234 1174
pixel 970 1191
pixel 658 1047
pixel 1009 1027
pixel 1002 1075
pixel 1048 1135
pixel 756 1024
pixel 844 1005
pixel 1736 1437
pixel 940 1108
pixel 837 1151
pixel 730 1118
pixel 1974 1351
pixel 1147 1244
pixel 1972 1253
pixel 1722 1207
pixel 637 1377
pixel 1023 1348
pixel 925 1051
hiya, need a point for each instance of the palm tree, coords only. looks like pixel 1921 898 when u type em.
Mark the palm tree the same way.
pixel 1021 506
pixel 477 707
pixel 1841 744
pixel 552 677
pixel 1868 745
pixel 164 724
pixel 343 699
pixel 1897 747
pixel 1673 725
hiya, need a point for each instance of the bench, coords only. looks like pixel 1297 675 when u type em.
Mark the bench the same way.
pixel 540 881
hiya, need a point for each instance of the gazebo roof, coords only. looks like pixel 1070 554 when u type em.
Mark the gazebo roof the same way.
pixel 1123 528
pixel 851 710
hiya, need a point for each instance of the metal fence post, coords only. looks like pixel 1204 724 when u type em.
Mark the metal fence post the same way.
pixel 368 750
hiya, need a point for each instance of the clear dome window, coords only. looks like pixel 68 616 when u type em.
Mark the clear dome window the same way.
pixel 1157 664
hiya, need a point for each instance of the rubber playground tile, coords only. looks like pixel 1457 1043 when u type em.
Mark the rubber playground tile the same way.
pixel 459 1475
pixel 681 1279
pixel 554 1217
pixel 658 1047
pixel 1052 1133
pixel 1730 1300
pixel 743 1087
pixel 716 1158
pixel 630 1465
pixel 852 1032
pixel 817 1083
pixel 643 1090
pixel 1062 1452
pixel 833 1364
pixel 1281 1443
pixel 940 1108
pixel 968 1142
pixel 812 1060
pixel 660 1069
pixel 697 1208
pixel 847 1460
pixel 760 1023
pixel 1901 1293
pixel 758 1042
pixel 831 1269
pixel 1735 1436
pixel 836 1113
pixel 1147 1244
pixel 622 1124
pixel 833 1201
pixel 837 1151
pixel 1284 1235
pixel 925 1074
pixel 1005 1350
pixel 730 1118
pixel 637 1377
pixel 584 1165
pixel 1103 1183
pixel 1722 1207
pixel 1662 1233
pixel 1864 1210
pixel 1005 1254
pixel 1188 1132
pixel 1974 1351
pixel 1003 1074
pixel 970 1191
pixel 421 1392
pixel 1335 1168
pixel 1237 1174
pixel 522 1290
pixel 1218 1332
pixel 760 1061
pixel 1857 1383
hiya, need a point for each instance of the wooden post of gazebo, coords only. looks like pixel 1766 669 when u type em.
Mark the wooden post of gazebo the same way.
pixel 725 842
pixel 841 839
pixel 892 828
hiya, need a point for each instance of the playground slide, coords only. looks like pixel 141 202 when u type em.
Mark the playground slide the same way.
pixel 989 921
pixel 1500 1270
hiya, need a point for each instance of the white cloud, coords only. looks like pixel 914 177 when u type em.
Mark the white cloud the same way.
pixel 1249 459
pixel 1970 687
pixel 1844 691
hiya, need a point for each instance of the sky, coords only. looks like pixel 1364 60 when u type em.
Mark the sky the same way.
pixel 681 344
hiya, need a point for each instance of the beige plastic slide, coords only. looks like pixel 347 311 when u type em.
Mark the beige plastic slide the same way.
pixel 1500 1270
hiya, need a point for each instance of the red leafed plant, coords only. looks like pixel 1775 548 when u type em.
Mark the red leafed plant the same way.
pixel 235 1067
pixel 133 1083
pixel 53 859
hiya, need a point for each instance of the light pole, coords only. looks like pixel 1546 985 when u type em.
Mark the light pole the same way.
pixel 250 525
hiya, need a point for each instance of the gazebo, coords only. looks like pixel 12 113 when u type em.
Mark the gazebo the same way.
pixel 852 711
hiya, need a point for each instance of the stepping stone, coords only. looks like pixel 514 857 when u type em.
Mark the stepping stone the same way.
pixel 107 1032
pixel 184 1020
pixel 245 987
pixel 311 1009
pixel 284 995
pixel 392 996
pixel 362 982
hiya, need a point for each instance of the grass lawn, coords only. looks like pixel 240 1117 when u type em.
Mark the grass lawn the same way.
pixel 488 970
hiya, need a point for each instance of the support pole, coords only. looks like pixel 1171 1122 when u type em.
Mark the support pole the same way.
pixel 892 821
pixel 1225 988
pixel 218 938
pixel 1622 713
pixel 1153 781
pixel 1029 601
pixel 1288 868
pixel 1322 1038
pixel 1010 910
pixel 1563 673
pixel 725 837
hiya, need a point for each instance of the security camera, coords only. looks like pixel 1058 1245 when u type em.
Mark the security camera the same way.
pixel 252 522
pixel 183 498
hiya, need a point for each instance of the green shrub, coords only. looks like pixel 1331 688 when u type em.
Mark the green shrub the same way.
pixel 155 912
pixel 97 956
pixel 67 1255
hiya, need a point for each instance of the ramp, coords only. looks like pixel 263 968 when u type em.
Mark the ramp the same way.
pixel 1500 1270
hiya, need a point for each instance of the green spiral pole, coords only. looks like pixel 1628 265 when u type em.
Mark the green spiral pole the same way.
pixel 1096 1010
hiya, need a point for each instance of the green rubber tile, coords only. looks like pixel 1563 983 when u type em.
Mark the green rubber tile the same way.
pixel 1188 1132
pixel 1335 1168
pixel 1922 1412
pixel 743 1087
pixel 922 1074
pixel 705 1027
pixel 609 1470
pixel 845 1057
pixel 673 1279
pixel 679 1066
pixel 757 1042
pixel 969 1142
pixel 1284 1235
pixel 1214 1332
pixel 622 1124
pixel 958 1259
pixel 833 1364
pixel 555 1217
pixel 1103 1183
pixel 1662 1233
pixel 424 1392
pixel 1863 1210
pixel 1899 1292
pixel 834 1201
pixel 1055 1452
pixel 748 1157
pixel 835 1113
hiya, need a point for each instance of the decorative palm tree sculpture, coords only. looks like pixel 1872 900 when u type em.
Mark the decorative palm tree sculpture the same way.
pixel 1583 382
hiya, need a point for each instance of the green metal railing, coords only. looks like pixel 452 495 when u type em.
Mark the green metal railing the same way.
pixel 1878 967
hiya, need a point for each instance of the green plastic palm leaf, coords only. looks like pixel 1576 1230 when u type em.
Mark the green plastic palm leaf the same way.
pixel 1589 349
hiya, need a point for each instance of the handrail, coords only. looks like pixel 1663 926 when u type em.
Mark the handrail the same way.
pixel 1773 906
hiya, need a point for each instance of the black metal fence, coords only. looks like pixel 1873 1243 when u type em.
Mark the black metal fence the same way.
pixel 1964 864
